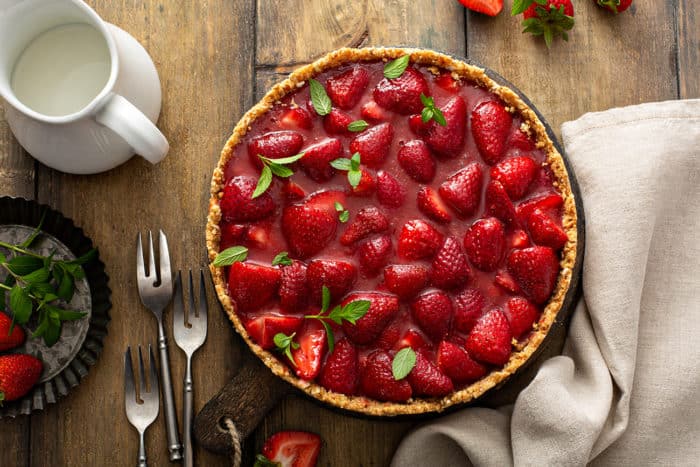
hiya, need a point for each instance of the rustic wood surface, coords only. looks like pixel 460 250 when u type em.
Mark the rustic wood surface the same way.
pixel 215 58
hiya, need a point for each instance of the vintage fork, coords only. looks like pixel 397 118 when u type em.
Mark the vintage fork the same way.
pixel 156 291
pixel 143 414
pixel 189 339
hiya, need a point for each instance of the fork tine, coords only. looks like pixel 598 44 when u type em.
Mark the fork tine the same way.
pixel 154 374
pixel 152 271
pixel 202 308
pixel 140 268
pixel 129 391
pixel 193 312
pixel 165 275
pixel 142 376
pixel 178 302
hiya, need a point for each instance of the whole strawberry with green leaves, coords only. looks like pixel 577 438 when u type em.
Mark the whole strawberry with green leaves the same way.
pixel 616 6
pixel 546 18
pixel 18 374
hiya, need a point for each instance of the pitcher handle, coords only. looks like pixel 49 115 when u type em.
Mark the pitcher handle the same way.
pixel 122 117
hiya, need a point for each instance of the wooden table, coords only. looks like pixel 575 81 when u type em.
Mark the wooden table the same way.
pixel 215 59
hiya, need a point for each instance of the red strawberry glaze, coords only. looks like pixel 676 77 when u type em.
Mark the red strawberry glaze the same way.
pixel 402 329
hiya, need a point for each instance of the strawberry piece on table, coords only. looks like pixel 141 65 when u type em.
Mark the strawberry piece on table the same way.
pixel 296 118
pixel 433 313
pixel 414 157
pixel 312 347
pixel 252 285
pixel 468 308
pixel 487 7
pixel 402 94
pixel 456 363
pixel 369 220
pixel 450 269
pixel 346 89
pixel 405 280
pixel 274 145
pixel 340 373
pixel 462 190
pixel 336 122
pixel 373 144
pixel 264 328
pixel 544 231
pixel 338 276
pixel 418 240
pixel 377 379
pixel 317 159
pixel 427 380
pixel 616 6
pixel 430 204
pixel 491 124
pixel 293 448
pixel 383 307
pixel 551 20
pixel 498 203
pixel 293 291
pixel 535 269
pixel 485 243
pixel 18 374
pixel 521 314
pixel 515 174
pixel 374 254
pixel 237 203
pixel 9 340
pixel 489 340
pixel 390 192
pixel 445 140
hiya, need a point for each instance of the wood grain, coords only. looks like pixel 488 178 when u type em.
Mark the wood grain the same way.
pixel 688 47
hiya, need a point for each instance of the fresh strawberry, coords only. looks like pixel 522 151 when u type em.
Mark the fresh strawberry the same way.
pixel 551 20
pixel 9 340
pixel 390 335
pixel 293 291
pixel 258 235
pixel 448 83
pixel 449 269
pixel 456 363
pixel 18 374
pixel 446 140
pixel 545 231
pixel 367 185
pixel 549 203
pixel 296 118
pixel 519 139
pixel 293 448
pixel 292 191
pixel 414 157
pixel 485 243
pixel 373 144
pixel 231 234
pixel 521 314
pixel 413 339
pixel 405 280
pixel 390 192
pixel 535 269
pixel 368 221
pixel 519 239
pixel 264 328
pixel 312 347
pixel 418 240
pixel 433 313
pixel 462 190
pixel 377 379
pixel 251 285
pixel 340 373
pixel 489 340
pixel 326 199
pixel 372 112
pixel 468 308
pixel 317 159
pixel 374 254
pixel 427 380
pixel 487 7
pixel 402 94
pixel 515 174
pixel 616 6
pixel 491 123
pixel 346 89
pixel 430 204
pixel 237 203
pixel 498 203
pixel 336 122
pixel 338 276
pixel 274 145
pixel 308 229
pixel 507 282
pixel 383 307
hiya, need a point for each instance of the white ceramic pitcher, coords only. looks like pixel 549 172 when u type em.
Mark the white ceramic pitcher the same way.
pixel 117 123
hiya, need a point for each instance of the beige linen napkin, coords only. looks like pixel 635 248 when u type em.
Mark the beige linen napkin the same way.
pixel 626 390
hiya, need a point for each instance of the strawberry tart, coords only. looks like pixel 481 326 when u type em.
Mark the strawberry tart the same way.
pixel 391 231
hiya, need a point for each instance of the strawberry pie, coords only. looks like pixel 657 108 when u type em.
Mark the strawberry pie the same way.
pixel 391 231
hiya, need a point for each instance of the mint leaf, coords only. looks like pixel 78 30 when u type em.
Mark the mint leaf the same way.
pixel 350 312
pixel 404 361
pixel 344 216
pixel 338 207
pixel 426 114
pixel 262 461
pixel 65 288
pixel 329 335
pixel 280 170
pixel 23 265
pixel 358 125
pixel 231 255
pixel 325 298
pixel 319 99
pixel 439 117
pixel 263 182
pixel 355 161
pixel 395 68
pixel 40 275
pixel 282 258
pixel 85 258
pixel 282 160
pixel 354 177
pixel 21 304
pixel 285 344
pixel 28 242
pixel 430 111
pixel 341 164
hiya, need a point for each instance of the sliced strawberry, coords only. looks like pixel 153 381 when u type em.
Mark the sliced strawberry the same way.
pixel 372 112
pixel 448 83
pixel 498 203
pixel 449 269
pixel 231 234
pixel 390 335
pixel 336 122
pixel 293 292
pixel 487 7
pixel 445 140
pixel 430 204
pixel 507 282
pixel 374 254
pixel 308 229
pixel 258 235
pixel 468 308
pixel 383 307
pixel 338 276
pixel 237 203
pixel 519 139
pixel 377 379
pixel 418 240
pixel 456 363
pixel 414 157
pixel 433 313
pixel 317 159
pixel 515 174
pixel 402 94
pixel 390 192
pixel 491 124
pixel 521 314
pixel 296 118
pixel 427 380
pixel 413 339
pixel 367 185
pixel 519 239
pixel 346 89
pixel 292 191
pixel 274 145
pixel 340 372
pixel 548 203
pixel 545 231
pixel 252 285
pixel 264 328
pixel 485 243
pixel 462 190
pixel 312 347
pixel 535 269
pixel 368 221
pixel 405 280
pixel 489 340
pixel 373 144
pixel 293 448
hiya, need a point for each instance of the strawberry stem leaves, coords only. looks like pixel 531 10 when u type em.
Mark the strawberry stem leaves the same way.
pixel 550 22
pixel 230 255
pixel 319 98
pixel 430 111
pixel 395 68
pixel 403 363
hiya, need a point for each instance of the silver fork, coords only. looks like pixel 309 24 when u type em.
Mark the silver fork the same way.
pixel 156 291
pixel 141 415
pixel 189 339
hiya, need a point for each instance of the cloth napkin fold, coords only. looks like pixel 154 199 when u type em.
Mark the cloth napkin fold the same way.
pixel 626 390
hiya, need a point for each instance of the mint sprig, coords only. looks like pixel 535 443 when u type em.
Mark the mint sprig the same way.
pixel 273 167
pixel 343 214
pixel 351 312
pixel 282 258
pixel 352 166
pixel 403 363
pixel 285 344
pixel 395 68
pixel 430 111
pixel 319 99
pixel 230 255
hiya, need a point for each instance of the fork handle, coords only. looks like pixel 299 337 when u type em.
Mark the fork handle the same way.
pixel 142 450
pixel 188 404
pixel 174 446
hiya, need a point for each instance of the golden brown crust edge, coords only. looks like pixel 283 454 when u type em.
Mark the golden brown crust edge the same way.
pixel 532 124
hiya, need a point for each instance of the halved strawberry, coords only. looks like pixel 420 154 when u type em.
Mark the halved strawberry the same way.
pixel 427 380
pixel 414 157
pixel 432 205
pixel 293 448
pixel 317 159
pixel 519 139
pixel 491 124
pixel 346 89
pixel 338 276
pixel 367 221
pixel 468 308
pixel 413 339
pixel 521 314
pixel 433 313
pixel 515 174
pixel 274 145
pixel 308 229
pixel 485 243
pixel 489 340
pixel 544 231
pixel 237 203
pixel 377 379
pixel 548 203
pixel 402 94
pixel 405 280
pixel 367 185
pixel 373 144
pixel 374 254
pixel 383 307
pixel 535 269
pixel 336 122
pixel 448 83
pixel 418 240
pixel 390 192
pixel 372 112
pixel 231 234
pixel 293 291
pixel 258 235
pixel 456 363
pixel 462 190
pixel 312 347
pixel 487 7
pixel 498 203
pixel 449 269
pixel 507 282
pixel 445 140
pixel 263 328
pixel 251 285
pixel 340 372
pixel 296 118
pixel 292 191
